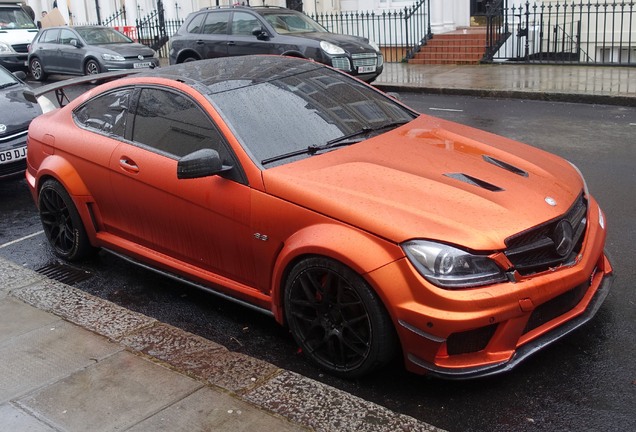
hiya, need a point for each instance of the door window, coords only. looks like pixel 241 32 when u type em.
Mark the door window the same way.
pixel 66 36
pixel 244 23
pixel 107 113
pixel 216 23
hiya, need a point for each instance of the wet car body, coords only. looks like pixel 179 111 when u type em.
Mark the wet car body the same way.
pixel 16 116
pixel 242 30
pixel 355 221
pixel 86 50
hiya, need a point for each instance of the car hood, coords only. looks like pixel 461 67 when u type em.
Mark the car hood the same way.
pixel 128 49
pixel 433 179
pixel 352 44
pixel 17 112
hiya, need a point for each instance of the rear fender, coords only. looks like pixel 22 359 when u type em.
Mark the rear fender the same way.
pixel 338 242
pixel 61 170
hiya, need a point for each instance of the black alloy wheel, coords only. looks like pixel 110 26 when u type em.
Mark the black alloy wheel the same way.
pixel 62 224
pixel 337 319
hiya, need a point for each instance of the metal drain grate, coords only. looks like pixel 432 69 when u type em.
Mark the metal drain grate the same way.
pixel 64 273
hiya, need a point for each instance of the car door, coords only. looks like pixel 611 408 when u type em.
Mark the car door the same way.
pixel 201 222
pixel 211 42
pixel 46 49
pixel 242 41
pixel 70 57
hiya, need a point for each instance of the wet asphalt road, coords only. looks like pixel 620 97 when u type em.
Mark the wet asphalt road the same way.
pixel 585 382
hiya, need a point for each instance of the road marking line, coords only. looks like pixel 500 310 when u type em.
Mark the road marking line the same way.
pixel 21 239
pixel 446 109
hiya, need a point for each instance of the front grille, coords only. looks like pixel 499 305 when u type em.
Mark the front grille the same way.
pixel 13 136
pixel 470 341
pixel 364 59
pixel 556 307
pixel 21 48
pixel 546 246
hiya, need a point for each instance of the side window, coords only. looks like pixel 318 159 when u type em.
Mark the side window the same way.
pixel 49 36
pixel 243 23
pixel 66 36
pixel 195 25
pixel 106 113
pixel 174 124
pixel 216 23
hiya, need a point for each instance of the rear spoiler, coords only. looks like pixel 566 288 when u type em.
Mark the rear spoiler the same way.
pixel 36 95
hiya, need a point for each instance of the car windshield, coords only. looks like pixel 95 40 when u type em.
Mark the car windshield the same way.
pixel 15 19
pixel 6 78
pixel 100 36
pixel 297 115
pixel 285 23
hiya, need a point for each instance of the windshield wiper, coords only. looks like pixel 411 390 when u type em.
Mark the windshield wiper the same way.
pixel 344 140
pixel 9 84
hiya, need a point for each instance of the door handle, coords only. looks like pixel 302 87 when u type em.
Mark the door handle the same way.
pixel 128 165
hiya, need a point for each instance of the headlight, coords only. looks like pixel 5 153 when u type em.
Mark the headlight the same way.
pixel 449 267
pixel 330 48
pixel 113 57
pixel 374 45
pixel 6 48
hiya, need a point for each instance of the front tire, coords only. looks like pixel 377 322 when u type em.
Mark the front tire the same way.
pixel 337 319
pixel 37 70
pixel 62 224
pixel 92 68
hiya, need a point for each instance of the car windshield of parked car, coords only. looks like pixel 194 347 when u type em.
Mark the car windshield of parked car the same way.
pixel 100 36
pixel 15 19
pixel 302 112
pixel 285 23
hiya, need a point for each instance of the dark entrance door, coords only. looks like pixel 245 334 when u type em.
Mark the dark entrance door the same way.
pixel 295 5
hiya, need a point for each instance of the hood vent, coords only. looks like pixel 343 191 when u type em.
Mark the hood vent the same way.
pixel 506 166
pixel 474 181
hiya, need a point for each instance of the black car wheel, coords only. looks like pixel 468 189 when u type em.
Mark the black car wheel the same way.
pixel 337 319
pixel 91 68
pixel 62 223
pixel 36 69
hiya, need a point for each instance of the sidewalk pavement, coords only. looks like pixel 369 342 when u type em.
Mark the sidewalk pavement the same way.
pixel 75 362
pixel 614 85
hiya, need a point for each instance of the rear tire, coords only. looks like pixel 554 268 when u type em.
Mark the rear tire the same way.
pixel 37 70
pixel 337 319
pixel 62 224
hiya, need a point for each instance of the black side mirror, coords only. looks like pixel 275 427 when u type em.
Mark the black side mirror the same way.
pixel 201 163
pixel 260 33
pixel 76 43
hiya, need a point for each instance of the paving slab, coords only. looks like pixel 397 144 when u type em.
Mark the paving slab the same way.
pixel 114 394
pixel 19 318
pixel 13 419
pixel 47 354
pixel 207 410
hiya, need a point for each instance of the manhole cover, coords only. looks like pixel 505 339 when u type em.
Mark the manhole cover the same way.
pixel 64 273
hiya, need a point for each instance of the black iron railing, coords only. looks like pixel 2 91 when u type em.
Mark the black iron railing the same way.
pixel 578 32
pixel 400 33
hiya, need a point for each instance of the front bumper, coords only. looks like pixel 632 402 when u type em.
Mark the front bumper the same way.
pixel 461 334
pixel 130 64
pixel 13 147
pixel 14 62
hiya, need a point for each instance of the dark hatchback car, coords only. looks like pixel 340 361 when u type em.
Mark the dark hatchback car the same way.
pixel 86 50
pixel 16 114
pixel 238 30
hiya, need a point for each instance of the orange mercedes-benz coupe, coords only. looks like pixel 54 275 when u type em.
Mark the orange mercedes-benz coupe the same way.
pixel 363 226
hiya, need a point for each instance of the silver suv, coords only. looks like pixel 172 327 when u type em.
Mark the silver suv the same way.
pixel 239 30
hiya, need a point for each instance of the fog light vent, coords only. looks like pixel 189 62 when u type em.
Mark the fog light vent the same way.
pixel 470 341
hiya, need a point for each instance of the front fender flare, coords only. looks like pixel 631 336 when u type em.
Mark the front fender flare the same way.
pixel 360 251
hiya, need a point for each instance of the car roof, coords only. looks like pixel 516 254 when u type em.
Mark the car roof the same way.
pixel 221 74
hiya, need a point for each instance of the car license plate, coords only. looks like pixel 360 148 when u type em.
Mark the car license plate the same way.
pixel 8 156
pixel 142 65
pixel 366 69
